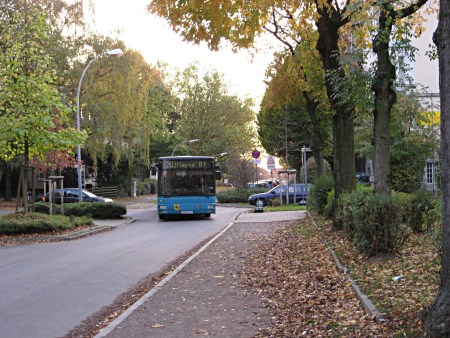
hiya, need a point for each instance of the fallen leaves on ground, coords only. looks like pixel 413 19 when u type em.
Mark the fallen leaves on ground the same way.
pixel 297 278
pixel 403 286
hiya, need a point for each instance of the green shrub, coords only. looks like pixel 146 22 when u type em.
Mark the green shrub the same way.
pixel 151 184
pixel 274 202
pixel 419 210
pixel 239 195
pixel 372 222
pixel 35 223
pixel 329 206
pixel 317 198
pixel 147 187
pixel 94 210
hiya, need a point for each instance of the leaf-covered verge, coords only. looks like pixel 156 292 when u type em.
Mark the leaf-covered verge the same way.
pixel 298 279
pixel 402 286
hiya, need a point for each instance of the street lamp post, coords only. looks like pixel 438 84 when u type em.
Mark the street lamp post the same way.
pixel 219 155
pixel 190 141
pixel 112 52
pixel 304 160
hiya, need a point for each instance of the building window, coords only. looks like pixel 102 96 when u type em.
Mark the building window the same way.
pixel 432 170
pixel 429 172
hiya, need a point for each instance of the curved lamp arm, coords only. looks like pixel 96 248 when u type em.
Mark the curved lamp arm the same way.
pixel 190 141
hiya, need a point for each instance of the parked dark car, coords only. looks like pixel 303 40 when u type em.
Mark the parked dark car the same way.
pixel 71 195
pixel 300 193
pixel 362 178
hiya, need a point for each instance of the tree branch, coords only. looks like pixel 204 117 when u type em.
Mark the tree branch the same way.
pixel 411 9
pixel 275 33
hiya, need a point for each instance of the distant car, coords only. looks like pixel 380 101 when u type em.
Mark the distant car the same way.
pixel 263 184
pixel 71 195
pixel 362 178
pixel 300 193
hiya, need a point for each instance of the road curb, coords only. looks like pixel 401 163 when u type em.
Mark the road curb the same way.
pixel 108 329
pixel 97 229
pixel 370 308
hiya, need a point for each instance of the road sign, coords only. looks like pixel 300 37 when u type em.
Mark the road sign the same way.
pixel 256 153
pixel 257 161
pixel 270 162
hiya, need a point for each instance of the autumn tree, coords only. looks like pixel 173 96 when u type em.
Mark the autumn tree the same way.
pixel 240 170
pixel 295 85
pixel 438 320
pixel 214 21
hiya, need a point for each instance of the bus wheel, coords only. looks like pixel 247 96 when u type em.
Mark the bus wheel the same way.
pixel 207 215
pixel 162 216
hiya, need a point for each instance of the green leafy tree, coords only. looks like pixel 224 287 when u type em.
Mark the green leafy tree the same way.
pixel 390 15
pixel 30 102
pixel 115 106
pixel 222 122
pixel 413 140
pixel 63 39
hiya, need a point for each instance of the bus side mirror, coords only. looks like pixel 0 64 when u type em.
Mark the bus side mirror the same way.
pixel 218 175
pixel 153 170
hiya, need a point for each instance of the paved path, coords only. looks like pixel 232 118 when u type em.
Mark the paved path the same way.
pixel 204 295
pixel 267 217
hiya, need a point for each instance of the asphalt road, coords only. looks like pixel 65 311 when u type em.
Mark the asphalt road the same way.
pixel 48 289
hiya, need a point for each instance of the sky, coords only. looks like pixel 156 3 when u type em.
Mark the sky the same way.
pixel 156 41
pixel 425 71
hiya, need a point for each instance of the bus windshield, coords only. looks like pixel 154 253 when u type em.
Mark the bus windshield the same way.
pixel 187 177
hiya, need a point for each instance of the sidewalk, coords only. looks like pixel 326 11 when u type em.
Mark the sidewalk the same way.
pixel 203 296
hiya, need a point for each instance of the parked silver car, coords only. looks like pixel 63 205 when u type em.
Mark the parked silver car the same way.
pixel 71 195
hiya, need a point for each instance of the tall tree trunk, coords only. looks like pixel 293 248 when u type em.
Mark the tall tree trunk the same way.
pixel 8 194
pixel 438 320
pixel 328 25
pixel 316 140
pixel 385 98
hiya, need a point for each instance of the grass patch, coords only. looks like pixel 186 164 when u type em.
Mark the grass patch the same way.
pixel 290 207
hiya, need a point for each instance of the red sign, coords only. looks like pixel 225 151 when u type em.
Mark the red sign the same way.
pixel 270 162
pixel 256 153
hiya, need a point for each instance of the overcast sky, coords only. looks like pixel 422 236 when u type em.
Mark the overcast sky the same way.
pixel 157 42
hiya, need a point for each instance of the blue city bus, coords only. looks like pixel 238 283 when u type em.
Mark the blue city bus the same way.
pixel 187 185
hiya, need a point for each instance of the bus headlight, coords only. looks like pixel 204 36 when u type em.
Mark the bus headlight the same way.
pixel 211 206
pixel 163 207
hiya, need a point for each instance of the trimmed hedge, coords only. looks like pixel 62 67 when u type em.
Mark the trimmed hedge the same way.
pixel 148 187
pixel 37 223
pixel 239 195
pixel 95 210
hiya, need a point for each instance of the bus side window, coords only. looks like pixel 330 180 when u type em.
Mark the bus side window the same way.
pixel 218 175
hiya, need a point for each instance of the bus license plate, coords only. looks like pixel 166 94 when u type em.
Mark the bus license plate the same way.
pixel 187 212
